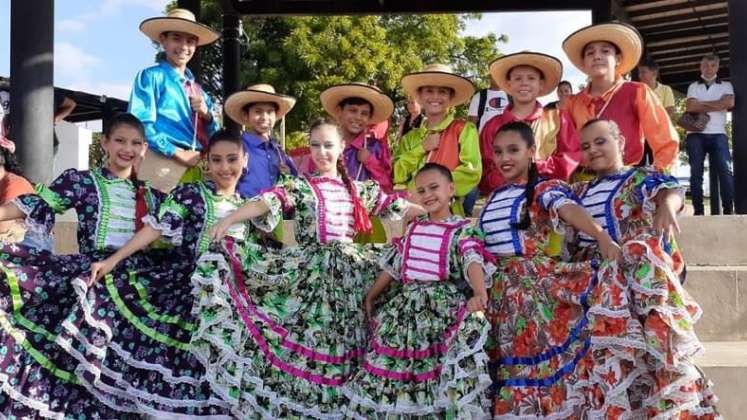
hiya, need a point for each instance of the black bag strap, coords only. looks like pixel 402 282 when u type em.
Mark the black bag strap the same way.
pixel 481 106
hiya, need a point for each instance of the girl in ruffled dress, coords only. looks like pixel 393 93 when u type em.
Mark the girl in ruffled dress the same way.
pixel 426 357
pixel 282 331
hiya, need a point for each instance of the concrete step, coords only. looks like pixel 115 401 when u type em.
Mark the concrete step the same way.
pixel 714 240
pixel 721 292
pixel 725 363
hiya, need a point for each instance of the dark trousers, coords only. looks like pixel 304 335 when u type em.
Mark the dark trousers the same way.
pixel 717 146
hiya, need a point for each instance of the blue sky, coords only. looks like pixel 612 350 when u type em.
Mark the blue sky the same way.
pixel 99 49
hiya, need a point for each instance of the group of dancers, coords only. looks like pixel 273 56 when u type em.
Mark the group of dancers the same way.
pixel 561 301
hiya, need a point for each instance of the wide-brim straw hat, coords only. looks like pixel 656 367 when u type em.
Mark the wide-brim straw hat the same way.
pixel 627 39
pixel 178 20
pixel 264 93
pixel 382 105
pixel 551 68
pixel 439 75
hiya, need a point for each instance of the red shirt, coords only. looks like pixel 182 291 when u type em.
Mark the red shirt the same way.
pixel 556 139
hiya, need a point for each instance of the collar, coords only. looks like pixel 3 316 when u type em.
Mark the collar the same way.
pixel 109 176
pixel 443 125
pixel 537 113
pixel 716 80
pixel 211 188
pixel 174 75
pixel 255 140
pixel 586 93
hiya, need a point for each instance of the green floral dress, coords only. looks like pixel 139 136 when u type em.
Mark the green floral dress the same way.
pixel 280 332
pixel 426 356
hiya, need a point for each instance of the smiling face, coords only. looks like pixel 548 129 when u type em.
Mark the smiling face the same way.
pixel 354 118
pixel 434 191
pixel 326 146
pixel 601 149
pixel 179 47
pixel 600 59
pixel 226 160
pixel 564 92
pixel 435 99
pixel 525 84
pixel 512 156
pixel 260 118
pixel 124 146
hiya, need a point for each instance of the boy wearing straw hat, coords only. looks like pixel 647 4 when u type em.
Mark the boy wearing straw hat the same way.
pixel 174 110
pixel 442 138
pixel 606 52
pixel 257 109
pixel 527 76
pixel 358 108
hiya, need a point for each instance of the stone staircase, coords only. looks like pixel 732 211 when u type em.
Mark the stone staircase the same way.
pixel 715 250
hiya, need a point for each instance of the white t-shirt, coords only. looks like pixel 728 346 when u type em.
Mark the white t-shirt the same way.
pixel 699 91
pixel 496 102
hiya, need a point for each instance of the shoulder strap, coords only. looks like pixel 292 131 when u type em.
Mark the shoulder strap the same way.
pixel 481 106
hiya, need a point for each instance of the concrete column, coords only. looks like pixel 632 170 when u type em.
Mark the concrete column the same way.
pixel 738 74
pixel 32 85
pixel 231 57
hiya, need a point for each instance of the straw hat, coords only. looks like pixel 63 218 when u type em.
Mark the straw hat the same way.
pixel 382 105
pixel 624 36
pixel 178 20
pixel 551 68
pixel 235 103
pixel 439 75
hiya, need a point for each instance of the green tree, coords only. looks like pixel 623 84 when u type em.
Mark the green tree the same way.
pixel 302 56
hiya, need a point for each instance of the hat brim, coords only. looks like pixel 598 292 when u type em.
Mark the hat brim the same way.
pixel 624 36
pixel 383 107
pixel 551 68
pixel 463 87
pixel 154 27
pixel 234 106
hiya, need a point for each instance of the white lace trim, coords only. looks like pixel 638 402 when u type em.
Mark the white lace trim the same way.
pixel 42 408
pixel 172 236
pixel 30 224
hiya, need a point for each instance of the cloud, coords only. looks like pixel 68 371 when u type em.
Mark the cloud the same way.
pixel 535 31
pixel 108 8
pixel 71 61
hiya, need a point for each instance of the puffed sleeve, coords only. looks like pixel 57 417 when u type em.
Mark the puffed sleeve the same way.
pixel 379 203
pixel 470 247
pixel 174 213
pixel 61 195
pixel 280 198
pixel 649 182
pixel 551 195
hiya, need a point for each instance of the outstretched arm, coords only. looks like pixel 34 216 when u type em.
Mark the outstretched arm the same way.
pixel 579 218
pixel 479 301
pixel 10 211
pixel 142 239
pixel 248 211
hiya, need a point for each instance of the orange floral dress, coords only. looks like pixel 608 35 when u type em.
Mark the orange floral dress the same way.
pixel 642 320
pixel 539 342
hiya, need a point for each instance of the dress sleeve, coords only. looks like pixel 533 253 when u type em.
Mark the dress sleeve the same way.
pixel 61 195
pixel 470 247
pixel 379 203
pixel 649 183
pixel 409 155
pixel 280 198
pixel 174 213
pixel 551 196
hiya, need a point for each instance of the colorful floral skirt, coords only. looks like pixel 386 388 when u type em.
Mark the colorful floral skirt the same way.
pixel 539 343
pixel 37 377
pixel 425 358
pixel 643 339
pixel 131 337
pixel 281 331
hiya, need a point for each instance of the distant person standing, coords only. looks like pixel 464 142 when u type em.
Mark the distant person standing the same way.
pixel 486 104
pixel 564 91
pixel 648 72
pixel 412 119
pixel 175 111
pixel 715 97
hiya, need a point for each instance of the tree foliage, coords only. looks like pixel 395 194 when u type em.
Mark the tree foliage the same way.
pixel 301 56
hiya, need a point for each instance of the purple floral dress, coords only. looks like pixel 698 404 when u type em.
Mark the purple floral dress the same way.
pixel 132 335
pixel 37 293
